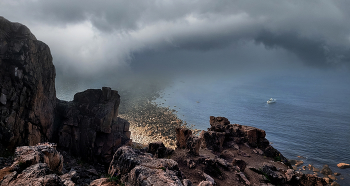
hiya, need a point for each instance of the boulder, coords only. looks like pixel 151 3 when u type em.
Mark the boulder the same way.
pixel 326 170
pixel 140 168
pixel 34 164
pixel 41 153
pixel 343 165
pixel 90 127
pixel 218 121
pixel 27 88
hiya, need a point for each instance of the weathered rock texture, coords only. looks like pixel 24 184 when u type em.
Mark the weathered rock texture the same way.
pixel 233 154
pixel 91 128
pixel 27 87
pixel 222 133
pixel 38 174
pixel 41 153
pixel 30 113
pixel 139 168
pixel 34 165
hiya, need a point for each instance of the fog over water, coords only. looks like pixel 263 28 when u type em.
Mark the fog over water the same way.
pixel 219 51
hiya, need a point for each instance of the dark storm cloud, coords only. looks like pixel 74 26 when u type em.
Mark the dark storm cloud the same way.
pixel 313 52
pixel 90 37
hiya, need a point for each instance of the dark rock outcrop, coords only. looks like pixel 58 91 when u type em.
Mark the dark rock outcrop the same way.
pixel 27 87
pixel 90 126
pixel 138 168
pixel 222 133
pixel 30 113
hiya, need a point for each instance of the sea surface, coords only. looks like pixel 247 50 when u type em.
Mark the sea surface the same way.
pixel 311 117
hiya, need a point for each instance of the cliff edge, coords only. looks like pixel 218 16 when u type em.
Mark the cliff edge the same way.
pixel 30 112
pixel 27 87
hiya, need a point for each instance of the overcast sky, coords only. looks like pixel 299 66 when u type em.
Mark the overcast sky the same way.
pixel 91 38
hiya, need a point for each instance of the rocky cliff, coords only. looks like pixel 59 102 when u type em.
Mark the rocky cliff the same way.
pixel 89 124
pixel 27 87
pixel 30 112
pixel 232 162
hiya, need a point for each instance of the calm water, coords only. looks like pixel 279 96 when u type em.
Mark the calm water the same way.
pixel 311 117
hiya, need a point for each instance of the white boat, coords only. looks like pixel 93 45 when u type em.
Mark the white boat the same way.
pixel 271 100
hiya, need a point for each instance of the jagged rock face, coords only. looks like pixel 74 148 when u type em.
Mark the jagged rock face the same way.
pixel 140 168
pixel 30 113
pixel 90 126
pixel 27 87
pixel 222 133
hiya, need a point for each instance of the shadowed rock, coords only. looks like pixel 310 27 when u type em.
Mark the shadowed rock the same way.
pixel 141 169
pixel 213 140
pixel 27 88
pixel 34 164
pixel 157 149
pixel 90 126
pixel 194 144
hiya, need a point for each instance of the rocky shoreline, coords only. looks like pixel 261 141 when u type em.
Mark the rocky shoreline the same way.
pixel 150 123
pixel 226 154
pixel 141 136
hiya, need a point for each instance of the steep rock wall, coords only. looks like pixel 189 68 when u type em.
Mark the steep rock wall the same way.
pixel 30 113
pixel 27 87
